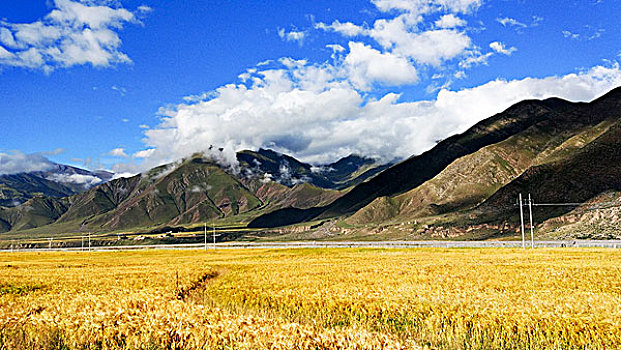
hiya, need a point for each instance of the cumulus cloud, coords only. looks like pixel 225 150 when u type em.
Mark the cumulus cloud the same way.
pixel 367 66
pixel 501 49
pixel 433 46
pixel 73 33
pixel 450 21
pixel 315 113
pixel 402 35
pixel 17 162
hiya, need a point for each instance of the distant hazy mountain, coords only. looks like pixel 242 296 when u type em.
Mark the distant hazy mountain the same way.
pixel 59 181
pixel 192 191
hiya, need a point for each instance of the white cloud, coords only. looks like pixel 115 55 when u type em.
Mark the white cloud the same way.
pixel 4 54
pixel 6 37
pixel 401 32
pixel 144 9
pixel 347 29
pixel 517 25
pixel 118 152
pixel 450 21
pixel 434 46
pixel 337 50
pixel 367 66
pixel 144 153
pixel 501 49
pixel 475 58
pixel 78 179
pixel 123 175
pixel 321 112
pixel 588 34
pixel 568 34
pixel 17 162
pixel 510 22
pixel 73 33
pixel 321 122
pixel 422 6
pixel 121 90
pixel 459 75
pixel 335 47
pixel 399 35
pixel 294 35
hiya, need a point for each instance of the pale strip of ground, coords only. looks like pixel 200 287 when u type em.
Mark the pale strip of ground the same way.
pixel 613 244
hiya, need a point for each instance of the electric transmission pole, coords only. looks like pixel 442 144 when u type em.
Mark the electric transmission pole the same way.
pixel 522 222
pixel 530 210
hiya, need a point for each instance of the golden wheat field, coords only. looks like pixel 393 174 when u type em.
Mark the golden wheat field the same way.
pixel 312 299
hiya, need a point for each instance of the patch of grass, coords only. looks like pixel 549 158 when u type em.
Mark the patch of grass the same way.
pixel 18 289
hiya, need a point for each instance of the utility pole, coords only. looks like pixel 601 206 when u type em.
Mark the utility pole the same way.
pixel 205 235
pixel 50 243
pixel 522 222
pixel 82 249
pixel 214 235
pixel 89 241
pixel 530 210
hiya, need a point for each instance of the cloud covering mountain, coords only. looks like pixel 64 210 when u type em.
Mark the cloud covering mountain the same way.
pixel 354 103
pixel 315 112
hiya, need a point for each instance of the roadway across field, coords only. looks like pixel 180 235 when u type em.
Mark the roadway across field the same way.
pixel 614 244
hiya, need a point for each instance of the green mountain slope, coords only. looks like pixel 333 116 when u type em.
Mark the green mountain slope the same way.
pixel 302 196
pixel 35 212
pixel 18 188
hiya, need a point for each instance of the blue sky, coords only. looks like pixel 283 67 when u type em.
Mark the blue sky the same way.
pixel 126 85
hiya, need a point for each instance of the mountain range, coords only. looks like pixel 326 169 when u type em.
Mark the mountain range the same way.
pixel 57 181
pixel 565 155
pixel 188 192
pixel 560 152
